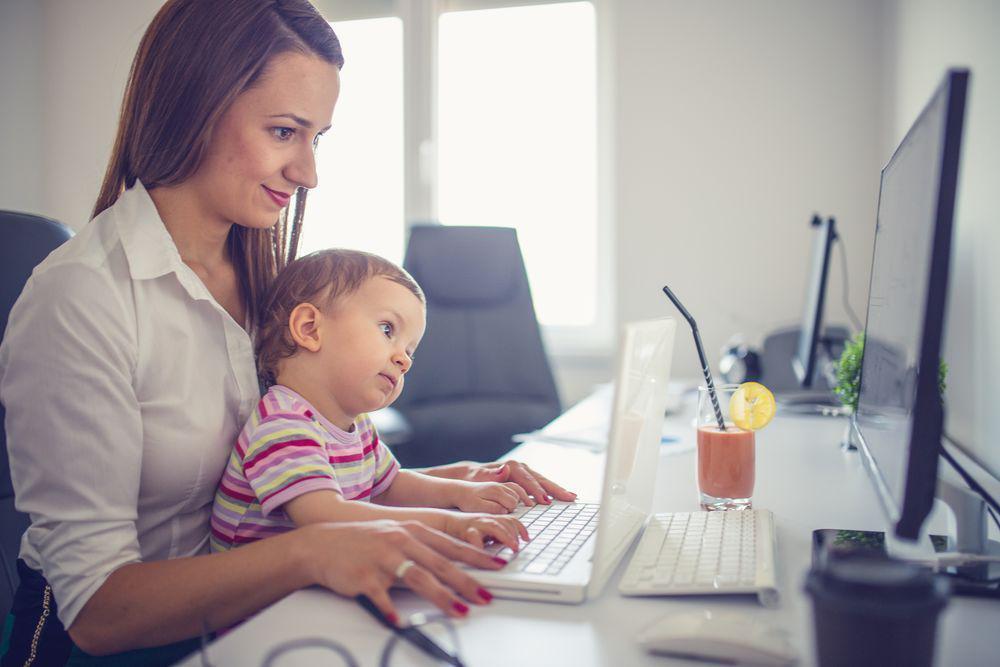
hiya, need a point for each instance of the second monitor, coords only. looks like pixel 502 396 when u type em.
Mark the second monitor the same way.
pixel 798 363
pixel 814 347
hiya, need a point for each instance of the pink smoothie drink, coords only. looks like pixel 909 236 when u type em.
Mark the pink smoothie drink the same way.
pixel 725 462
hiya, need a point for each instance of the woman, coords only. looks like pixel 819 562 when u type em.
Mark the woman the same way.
pixel 127 371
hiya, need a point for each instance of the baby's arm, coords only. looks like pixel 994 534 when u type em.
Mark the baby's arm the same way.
pixel 415 489
pixel 326 505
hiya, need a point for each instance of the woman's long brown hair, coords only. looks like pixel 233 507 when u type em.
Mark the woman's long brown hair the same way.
pixel 196 57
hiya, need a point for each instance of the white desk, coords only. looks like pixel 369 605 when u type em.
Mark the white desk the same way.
pixel 802 476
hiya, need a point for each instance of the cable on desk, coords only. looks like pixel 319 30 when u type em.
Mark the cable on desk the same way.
pixel 855 321
pixel 420 620
pixel 324 643
pixel 308 642
pixel 969 479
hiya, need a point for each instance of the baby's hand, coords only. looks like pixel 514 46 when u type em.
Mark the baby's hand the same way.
pixel 478 529
pixel 489 497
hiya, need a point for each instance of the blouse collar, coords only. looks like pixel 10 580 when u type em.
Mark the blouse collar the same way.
pixel 149 248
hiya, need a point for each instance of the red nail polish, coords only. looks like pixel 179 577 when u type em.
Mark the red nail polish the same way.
pixel 500 560
pixel 460 608
pixel 484 594
pixel 392 618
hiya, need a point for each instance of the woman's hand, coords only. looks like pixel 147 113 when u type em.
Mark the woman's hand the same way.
pixel 488 497
pixel 478 529
pixel 364 558
pixel 541 488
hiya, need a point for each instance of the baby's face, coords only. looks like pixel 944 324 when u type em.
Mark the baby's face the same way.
pixel 368 341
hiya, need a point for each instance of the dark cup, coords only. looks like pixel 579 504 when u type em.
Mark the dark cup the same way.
pixel 875 611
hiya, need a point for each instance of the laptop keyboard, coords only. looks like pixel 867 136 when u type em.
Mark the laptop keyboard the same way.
pixel 557 531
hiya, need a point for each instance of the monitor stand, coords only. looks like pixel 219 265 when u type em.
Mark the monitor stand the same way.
pixel 778 373
pixel 971 531
pixel 819 399
pixel 967 533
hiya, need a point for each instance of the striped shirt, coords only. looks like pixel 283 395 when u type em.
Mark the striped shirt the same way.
pixel 286 449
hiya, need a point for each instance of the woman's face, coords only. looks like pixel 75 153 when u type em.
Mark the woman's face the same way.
pixel 263 146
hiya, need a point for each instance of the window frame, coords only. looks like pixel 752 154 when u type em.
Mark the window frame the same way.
pixel 420 86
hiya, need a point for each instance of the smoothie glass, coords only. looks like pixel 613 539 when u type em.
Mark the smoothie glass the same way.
pixel 725 457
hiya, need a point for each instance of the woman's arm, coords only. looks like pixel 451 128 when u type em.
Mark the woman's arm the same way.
pixel 156 603
pixel 150 604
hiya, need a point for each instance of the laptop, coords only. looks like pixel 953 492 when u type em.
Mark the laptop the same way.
pixel 576 546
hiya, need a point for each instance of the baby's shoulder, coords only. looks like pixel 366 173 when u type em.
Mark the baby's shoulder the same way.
pixel 275 414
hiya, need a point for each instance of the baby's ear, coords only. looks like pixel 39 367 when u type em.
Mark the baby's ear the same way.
pixel 303 324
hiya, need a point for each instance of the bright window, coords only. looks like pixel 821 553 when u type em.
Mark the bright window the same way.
pixel 517 142
pixel 472 112
pixel 359 201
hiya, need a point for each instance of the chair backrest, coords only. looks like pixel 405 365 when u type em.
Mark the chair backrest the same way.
pixel 25 240
pixel 481 373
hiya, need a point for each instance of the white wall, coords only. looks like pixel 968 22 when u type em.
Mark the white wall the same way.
pixel 88 49
pixel 20 99
pixel 735 122
pixel 930 37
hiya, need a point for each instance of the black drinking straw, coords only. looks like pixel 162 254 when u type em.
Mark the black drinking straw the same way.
pixel 701 355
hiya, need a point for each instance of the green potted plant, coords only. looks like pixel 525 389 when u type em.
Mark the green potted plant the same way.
pixel 849 371
pixel 849 378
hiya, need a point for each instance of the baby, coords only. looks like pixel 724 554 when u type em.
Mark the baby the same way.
pixel 337 338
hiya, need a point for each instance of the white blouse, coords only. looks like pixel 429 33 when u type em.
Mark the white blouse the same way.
pixel 125 385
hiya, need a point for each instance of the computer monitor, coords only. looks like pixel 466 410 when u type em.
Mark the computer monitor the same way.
pixel 809 351
pixel 899 420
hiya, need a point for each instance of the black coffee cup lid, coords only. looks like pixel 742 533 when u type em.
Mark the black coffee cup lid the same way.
pixel 878 580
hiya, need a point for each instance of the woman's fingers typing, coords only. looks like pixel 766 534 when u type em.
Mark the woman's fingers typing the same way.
pixel 442 572
pixel 451 548
pixel 355 558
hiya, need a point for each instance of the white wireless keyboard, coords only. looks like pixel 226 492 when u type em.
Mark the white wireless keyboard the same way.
pixel 703 553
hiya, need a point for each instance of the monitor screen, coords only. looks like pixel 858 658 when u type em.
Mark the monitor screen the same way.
pixel 899 410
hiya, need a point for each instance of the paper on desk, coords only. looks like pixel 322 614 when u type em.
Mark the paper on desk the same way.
pixel 587 424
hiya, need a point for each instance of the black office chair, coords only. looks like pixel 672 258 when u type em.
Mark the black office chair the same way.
pixel 481 373
pixel 25 240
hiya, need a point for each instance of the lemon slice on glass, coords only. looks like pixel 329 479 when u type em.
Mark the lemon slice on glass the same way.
pixel 752 406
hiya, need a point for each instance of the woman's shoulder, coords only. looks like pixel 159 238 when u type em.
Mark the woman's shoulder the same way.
pixel 92 257
pixel 79 289
pixel 83 273
pixel 99 252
